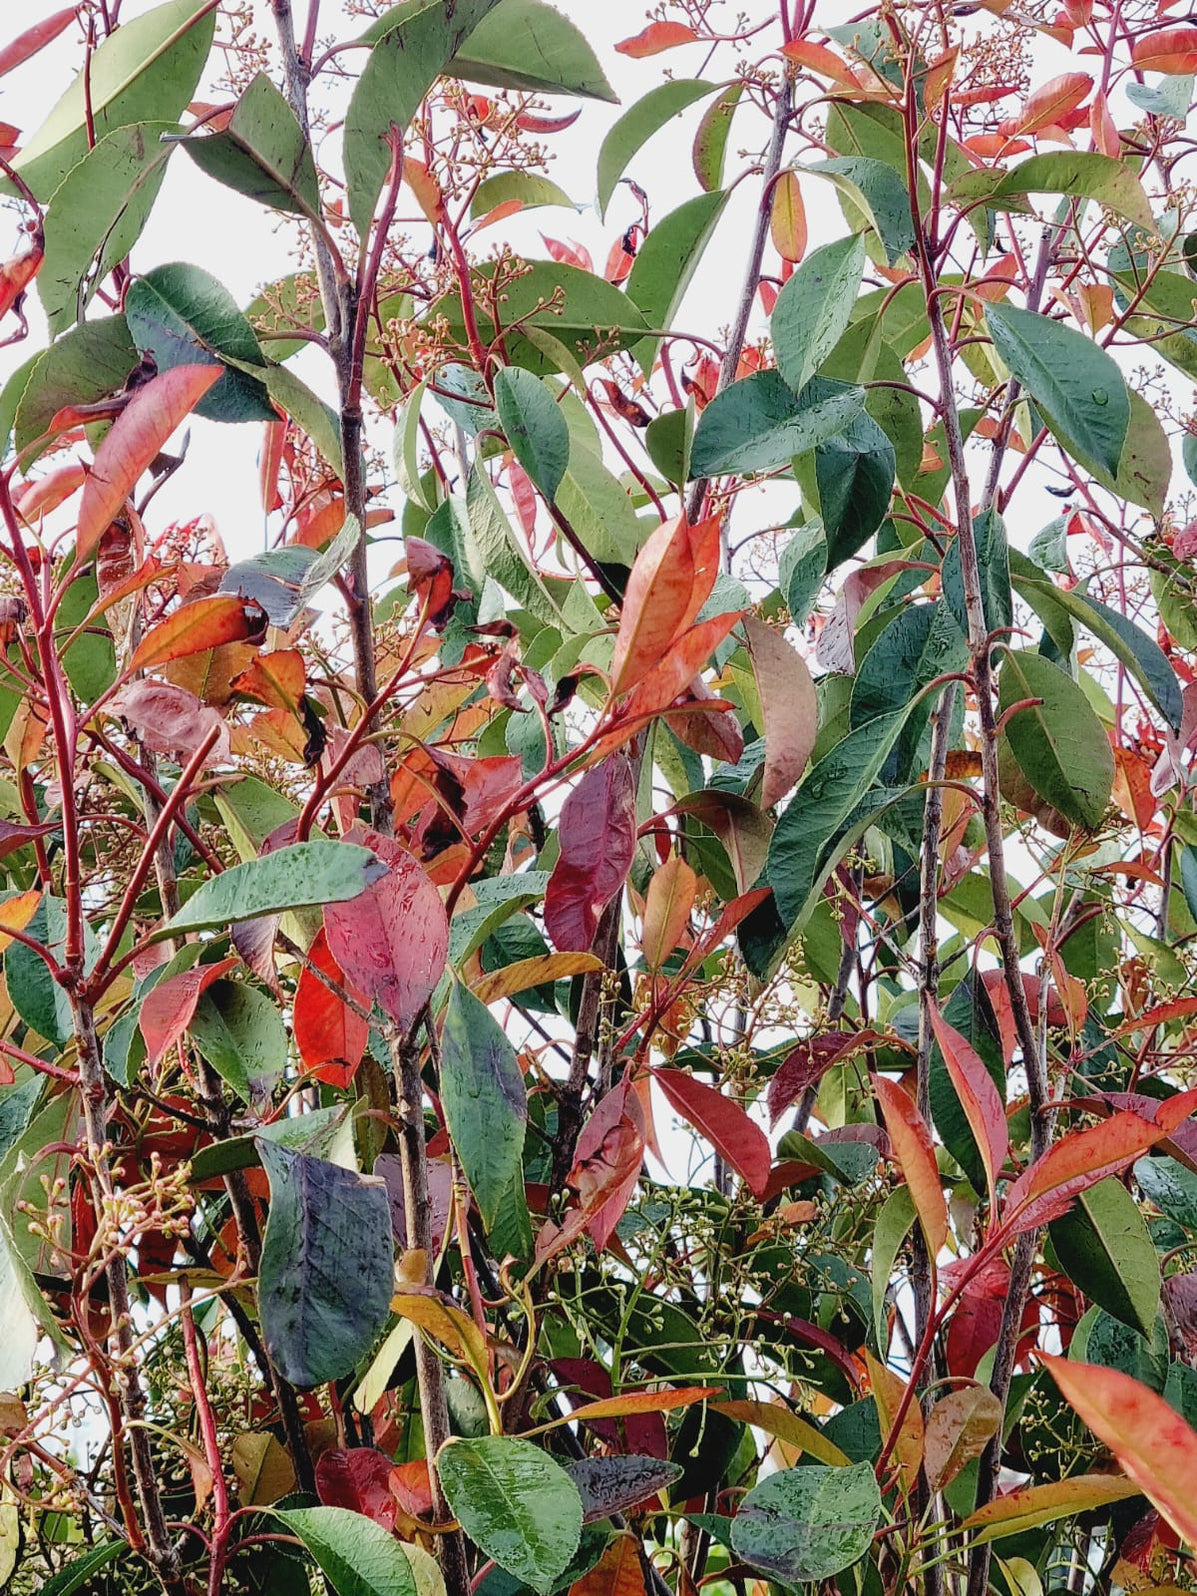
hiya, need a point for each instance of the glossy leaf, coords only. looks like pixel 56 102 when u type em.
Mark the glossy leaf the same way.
pixel 1059 744
pixel 597 834
pixel 484 1100
pixel 324 1288
pixel 788 1427
pixel 738 1140
pixel 1080 174
pixel 135 439
pixel 1019 1510
pixel 357 1556
pixel 535 427
pixel 630 132
pixel 1105 1249
pixel 959 1428
pixel 516 1504
pixel 790 708
pixel 1079 387
pixel 979 1098
pixel 305 874
pixel 330 1036
pixel 915 1155
pixel 814 308
pixel 758 423
pixel 808 1523
pixel 195 628
pixel 671 579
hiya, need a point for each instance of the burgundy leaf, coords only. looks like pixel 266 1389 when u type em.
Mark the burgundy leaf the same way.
pixel 597 832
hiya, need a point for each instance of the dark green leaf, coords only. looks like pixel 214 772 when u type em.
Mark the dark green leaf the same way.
pixel 357 1556
pixel 631 131
pixel 1076 384
pixel 515 1503
pixel 410 50
pixel 99 210
pixel 993 558
pixel 758 424
pixel 1105 1249
pixel 921 642
pixel 240 1031
pixel 327 1270
pixel 77 1574
pixel 1171 1187
pixel 874 195
pixel 802 568
pixel 668 439
pixel 815 307
pixel 710 142
pixel 666 262
pixel 306 874
pixel 855 472
pixel 535 427
pixel 262 153
pixel 808 1523
pixel 484 1099
pixel 1059 745
pixel 91 362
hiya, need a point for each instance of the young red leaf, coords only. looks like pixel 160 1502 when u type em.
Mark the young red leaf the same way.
pixel 807 1064
pixel 569 254
pixel 1154 1445
pixel 654 603
pixel 47 493
pixel 35 38
pixel 667 910
pixel 170 720
pixel 358 1479
pixel 790 708
pixel 597 833
pixel 270 460
pixel 392 940
pixel 915 1155
pixel 738 1140
pixel 330 1037
pixel 1172 50
pixel 16 275
pixel 605 1173
pixel 134 440
pixel 169 1008
pixel 632 1402
pixel 618 1572
pixel 656 37
pixel 1052 100
pixel 669 678
pixel 979 1098
pixel 203 624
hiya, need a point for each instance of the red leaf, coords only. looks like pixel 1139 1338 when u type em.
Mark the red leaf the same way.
pixel 790 708
pixel 976 1322
pixel 48 492
pixel 170 720
pixel 16 275
pixel 1172 50
pixel 547 124
pixel 135 438
pixel 1052 100
pixel 818 58
pixel 270 460
pixel 193 628
pixel 1154 1445
pixel 169 1008
pixel 738 1140
pixel 34 39
pixel 359 1480
pixel 330 1037
pixel 597 833
pixel 809 1062
pixel 656 37
pixel 605 1173
pixel 413 1488
pixel 1082 1158
pixel 915 1157
pixel 618 1571
pixel 979 1098
pixel 569 254
pixel 392 940
pixel 670 677
pixel 655 602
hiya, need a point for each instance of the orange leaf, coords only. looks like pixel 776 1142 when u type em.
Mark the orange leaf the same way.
pixel 790 708
pixel 270 459
pixel 276 678
pixel 656 37
pixel 1178 1009
pixel 818 58
pixel 34 39
pixel 16 275
pixel 1052 100
pixel 633 1402
pixel 685 658
pixel 48 492
pixel 1103 127
pixel 655 602
pixel 667 908
pixel 1172 50
pixel 939 78
pixel 911 1142
pixel 889 1389
pixel 426 190
pixel 16 913
pixel 738 1140
pixel 1151 1441
pixel 979 1098
pixel 135 438
pixel 787 219
pixel 618 1571
pixel 192 628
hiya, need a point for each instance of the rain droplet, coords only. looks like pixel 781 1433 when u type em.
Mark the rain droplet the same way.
pixel 1100 396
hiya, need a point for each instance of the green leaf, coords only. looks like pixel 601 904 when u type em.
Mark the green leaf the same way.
pixel 666 262
pixel 808 1523
pixel 1059 745
pixel 823 804
pixel 304 875
pixel 1078 387
pixel 99 210
pixel 1080 174
pixel 484 1099
pixel 993 558
pixel 19 1330
pixel 262 153
pixel 802 568
pixel 240 1032
pixel 147 70
pixel 493 548
pixel 668 439
pixel 527 45
pixel 814 308
pixel 921 643
pixel 758 423
pixel 529 188
pixel 327 1270
pixel 629 133
pixel 599 508
pixel 1171 1187
pixel 183 316
pixel 308 411
pixel 873 194
pixel 498 898
pixel 590 316
pixel 892 1228
pixel 357 1556
pixel 516 1504
pixel 535 427
pixel 410 51
pixel 854 472
pixel 76 1574
pixel 1138 651
pixel 1105 1249
pixel 710 142
pixel 89 363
